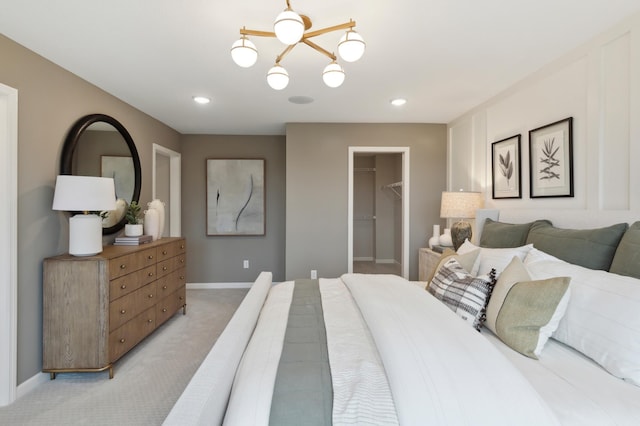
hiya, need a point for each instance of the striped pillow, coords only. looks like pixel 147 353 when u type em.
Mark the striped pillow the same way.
pixel 463 293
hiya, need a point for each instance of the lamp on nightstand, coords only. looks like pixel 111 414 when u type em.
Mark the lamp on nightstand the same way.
pixel 86 194
pixel 460 205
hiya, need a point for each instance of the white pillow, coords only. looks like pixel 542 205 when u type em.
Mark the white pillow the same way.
pixel 603 315
pixel 493 258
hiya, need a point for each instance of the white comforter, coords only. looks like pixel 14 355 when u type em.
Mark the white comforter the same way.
pixel 440 371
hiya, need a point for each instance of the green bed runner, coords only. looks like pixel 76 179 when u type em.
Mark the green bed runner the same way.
pixel 303 393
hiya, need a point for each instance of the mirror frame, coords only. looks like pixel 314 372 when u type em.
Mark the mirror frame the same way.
pixel 70 143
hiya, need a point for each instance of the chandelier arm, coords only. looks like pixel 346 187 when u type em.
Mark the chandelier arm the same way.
pixel 244 31
pixel 344 26
pixel 319 49
pixel 284 53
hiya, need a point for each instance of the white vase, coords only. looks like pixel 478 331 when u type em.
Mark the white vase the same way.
pixel 435 239
pixel 151 223
pixel 131 230
pixel 159 207
pixel 445 239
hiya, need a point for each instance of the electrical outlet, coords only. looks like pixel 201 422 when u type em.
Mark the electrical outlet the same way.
pixel 245 264
pixel 314 274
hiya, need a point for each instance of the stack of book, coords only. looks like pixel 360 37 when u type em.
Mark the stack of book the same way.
pixel 133 241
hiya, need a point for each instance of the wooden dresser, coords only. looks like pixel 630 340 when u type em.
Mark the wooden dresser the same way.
pixel 97 308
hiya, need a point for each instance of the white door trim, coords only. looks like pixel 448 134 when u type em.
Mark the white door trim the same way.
pixel 405 200
pixel 175 160
pixel 9 243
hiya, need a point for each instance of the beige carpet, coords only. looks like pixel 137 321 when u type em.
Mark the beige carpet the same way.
pixel 147 381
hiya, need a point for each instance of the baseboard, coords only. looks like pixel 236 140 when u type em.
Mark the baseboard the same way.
pixel 215 286
pixel 363 259
pixel 31 383
pixel 387 261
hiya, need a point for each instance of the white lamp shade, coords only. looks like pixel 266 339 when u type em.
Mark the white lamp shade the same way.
pixel 460 205
pixel 288 27
pixel 333 75
pixel 84 193
pixel 351 46
pixel 277 77
pixel 244 52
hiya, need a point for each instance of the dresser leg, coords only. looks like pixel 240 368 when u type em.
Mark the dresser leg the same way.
pixel 111 372
pixel 184 309
pixel 52 376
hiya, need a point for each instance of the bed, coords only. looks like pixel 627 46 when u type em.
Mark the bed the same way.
pixel 382 350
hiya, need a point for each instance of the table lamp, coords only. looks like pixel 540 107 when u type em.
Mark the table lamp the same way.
pixel 460 205
pixel 87 194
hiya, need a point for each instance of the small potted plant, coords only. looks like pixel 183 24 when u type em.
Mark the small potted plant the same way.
pixel 133 227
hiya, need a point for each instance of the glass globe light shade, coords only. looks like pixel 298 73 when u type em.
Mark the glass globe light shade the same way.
pixel 333 75
pixel 244 52
pixel 351 46
pixel 288 27
pixel 277 77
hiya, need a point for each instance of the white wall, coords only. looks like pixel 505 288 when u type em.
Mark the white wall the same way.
pixel 598 84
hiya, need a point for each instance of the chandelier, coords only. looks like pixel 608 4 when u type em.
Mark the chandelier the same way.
pixel 291 29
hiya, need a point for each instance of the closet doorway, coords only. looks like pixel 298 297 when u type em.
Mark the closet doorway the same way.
pixel 378 210
pixel 166 187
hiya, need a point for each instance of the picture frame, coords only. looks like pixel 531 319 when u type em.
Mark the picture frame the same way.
pixel 235 196
pixel 551 160
pixel 506 168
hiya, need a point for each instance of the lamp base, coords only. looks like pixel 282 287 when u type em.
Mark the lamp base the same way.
pixel 85 235
pixel 460 231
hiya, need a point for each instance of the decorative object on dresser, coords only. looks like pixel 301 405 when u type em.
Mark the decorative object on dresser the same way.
pixel 156 206
pixel 445 238
pixel 95 309
pixel 435 239
pixel 132 241
pixel 87 194
pixel 133 228
pixel 460 205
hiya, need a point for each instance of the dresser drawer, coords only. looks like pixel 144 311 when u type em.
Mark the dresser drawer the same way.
pixel 123 309
pixel 168 306
pixel 131 262
pixel 130 282
pixel 127 336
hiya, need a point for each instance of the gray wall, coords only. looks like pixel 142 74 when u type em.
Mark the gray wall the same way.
pixel 218 258
pixel 317 168
pixel 50 100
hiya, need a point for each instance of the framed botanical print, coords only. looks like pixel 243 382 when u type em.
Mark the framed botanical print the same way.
pixel 551 160
pixel 235 196
pixel 505 168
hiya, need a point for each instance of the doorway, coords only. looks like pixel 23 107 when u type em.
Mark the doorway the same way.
pixel 9 243
pixel 166 187
pixel 378 227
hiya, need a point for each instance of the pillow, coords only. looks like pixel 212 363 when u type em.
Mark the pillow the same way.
pixel 464 294
pixel 503 235
pixel 493 258
pixel 524 313
pixel 626 261
pixel 602 319
pixel 467 260
pixel 591 248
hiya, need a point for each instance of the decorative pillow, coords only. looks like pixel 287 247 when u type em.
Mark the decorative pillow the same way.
pixel 464 294
pixel 467 260
pixel 626 261
pixel 524 313
pixel 493 258
pixel 602 319
pixel 591 248
pixel 505 235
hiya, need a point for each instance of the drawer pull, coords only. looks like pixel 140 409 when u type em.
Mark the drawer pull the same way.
pixel 181 298
pixel 150 274
pixel 150 257
pixel 123 286
pixel 164 287
pixel 123 266
pixel 151 296
pixel 181 260
pixel 123 312
pixel 181 246
pixel 149 320
pixel 122 340
pixel 164 252
pixel 164 309
pixel 164 268
pixel 182 277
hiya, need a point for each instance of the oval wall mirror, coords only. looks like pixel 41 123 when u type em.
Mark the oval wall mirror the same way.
pixel 98 145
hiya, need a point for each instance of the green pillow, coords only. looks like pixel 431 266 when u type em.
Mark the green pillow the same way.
pixel 505 235
pixel 591 248
pixel 627 258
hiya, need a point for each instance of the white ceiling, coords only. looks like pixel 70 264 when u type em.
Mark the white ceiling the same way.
pixel 444 56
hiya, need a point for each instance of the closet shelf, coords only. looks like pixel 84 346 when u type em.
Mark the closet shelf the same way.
pixel 393 186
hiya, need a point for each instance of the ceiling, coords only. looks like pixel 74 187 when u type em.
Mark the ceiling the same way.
pixel 444 56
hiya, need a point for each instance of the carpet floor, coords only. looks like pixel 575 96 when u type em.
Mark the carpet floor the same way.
pixel 147 381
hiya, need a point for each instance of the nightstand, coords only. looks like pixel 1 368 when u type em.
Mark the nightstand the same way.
pixel 427 262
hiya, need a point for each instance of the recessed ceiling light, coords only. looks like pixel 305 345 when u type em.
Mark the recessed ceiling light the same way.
pixel 203 100
pixel 300 100
pixel 398 101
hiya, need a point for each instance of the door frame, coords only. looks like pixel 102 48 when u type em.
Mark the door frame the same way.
pixel 175 194
pixel 9 244
pixel 405 151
